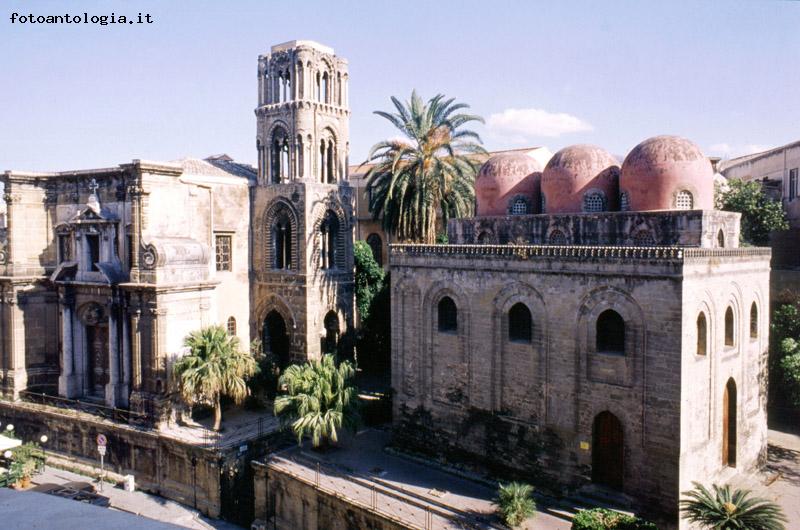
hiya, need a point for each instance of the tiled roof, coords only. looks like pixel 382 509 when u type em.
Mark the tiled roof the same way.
pixel 220 166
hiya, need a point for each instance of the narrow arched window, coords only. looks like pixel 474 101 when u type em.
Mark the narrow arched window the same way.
pixel 231 326
pixel 329 235
pixel 729 328
pixel 729 436
pixel 519 206
pixel 282 243
pixel 721 239
pixel 520 323
pixel 279 155
pixel 300 157
pixel 330 163
pixel 702 334
pixel 684 200
pixel 376 246
pixel 448 315
pixel 610 337
pixel 326 96
pixel 753 321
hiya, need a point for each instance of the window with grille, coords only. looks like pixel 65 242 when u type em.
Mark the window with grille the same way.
pixel 223 246
pixel 519 206
pixel 624 202
pixel 643 238
pixel 684 200
pixel 594 202
pixel 557 237
pixel 231 326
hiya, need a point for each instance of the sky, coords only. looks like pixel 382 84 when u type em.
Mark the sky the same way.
pixel 725 74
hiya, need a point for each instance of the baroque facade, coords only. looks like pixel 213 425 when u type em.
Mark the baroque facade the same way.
pixel 592 325
pixel 105 271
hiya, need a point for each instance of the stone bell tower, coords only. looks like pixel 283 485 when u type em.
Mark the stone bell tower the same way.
pixel 302 293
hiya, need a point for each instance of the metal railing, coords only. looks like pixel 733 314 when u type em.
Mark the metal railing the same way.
pixel 87 407
pixel 388 501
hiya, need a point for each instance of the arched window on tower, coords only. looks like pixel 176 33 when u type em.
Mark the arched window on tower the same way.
pixel 279 155
pixel 330 162
pixel 729 327
pixel 610 337
pixel 317 85
pixel 376 246
pixel 702 334
pixel 300 157
pixel 231 326
pixel 684 200
pixel 520 323
pixel 326 95
pixel 329 235
pixel 339 89
pixel 447 315
pixel 753 321
pixel 282 242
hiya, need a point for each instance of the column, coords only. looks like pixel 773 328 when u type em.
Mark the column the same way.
pixel 17 374
pixel 125 387
pixel 113 356
pixel 66 380
pixel 136 351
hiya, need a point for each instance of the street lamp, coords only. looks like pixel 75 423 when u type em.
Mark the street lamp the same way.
pixel 43 439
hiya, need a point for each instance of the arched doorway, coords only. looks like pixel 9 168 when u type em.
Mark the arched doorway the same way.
pixel 97 359
pixel 330 343
pixel 729 424
pixel 275 340
pixel 607 450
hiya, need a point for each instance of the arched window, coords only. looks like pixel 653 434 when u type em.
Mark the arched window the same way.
pixel 329 235
pixel 557 237
pixel 326 96
pixel 300 172
pixel 753 321
pixel 448 315
pixel 729 424
pixel 520 325
pixel 376 246
pixel 721 239
pixel 643 238
pixel 231 326
pixel 594 201
pixel 702 334
pixel 331 340
pixel 729 331
pixel 282 242
pixel 624 202
pixel 684 200
pixel 330 163
pixel 339 89
pixel 519 206
pixel 317 84
pixel 280 155
pixel 610 336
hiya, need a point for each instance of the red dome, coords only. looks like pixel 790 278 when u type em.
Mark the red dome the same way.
pixel 504 177
pixel 580 178
pixel 667 173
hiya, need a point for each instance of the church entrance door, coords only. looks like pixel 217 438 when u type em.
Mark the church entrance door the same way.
pixel 275 340
pixel 97 357
pixel 607 450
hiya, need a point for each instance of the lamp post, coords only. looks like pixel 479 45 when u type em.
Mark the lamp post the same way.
pixel 43 439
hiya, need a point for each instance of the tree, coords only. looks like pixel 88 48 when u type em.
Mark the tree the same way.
pixel 430 171
pixel 214 367
pixel 515 503
pixel 760 214
pixel 730 510
pixel 369 278
pixel 374 310
pixel 785 354
pixel 319 399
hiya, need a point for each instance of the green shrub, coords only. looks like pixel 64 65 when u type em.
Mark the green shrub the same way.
pixel 515 503
pixel 605 519
pixel 725 508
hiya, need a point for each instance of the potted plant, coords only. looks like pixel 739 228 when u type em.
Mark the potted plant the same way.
pixel 25 462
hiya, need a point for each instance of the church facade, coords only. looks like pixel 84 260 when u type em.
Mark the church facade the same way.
pixel 591 327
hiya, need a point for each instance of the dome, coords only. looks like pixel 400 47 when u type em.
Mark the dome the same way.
pixel 504 178
pixel 580 178
pixel 667 173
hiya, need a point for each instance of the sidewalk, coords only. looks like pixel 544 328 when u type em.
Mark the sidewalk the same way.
pixel 139 503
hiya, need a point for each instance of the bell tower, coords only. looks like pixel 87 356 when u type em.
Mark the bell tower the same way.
pixel 302 294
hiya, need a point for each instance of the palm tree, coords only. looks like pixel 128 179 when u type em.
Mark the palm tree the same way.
pixel 730 510
pixel 431 170
pixel 215 366
pixel 515 503
pixel 319 399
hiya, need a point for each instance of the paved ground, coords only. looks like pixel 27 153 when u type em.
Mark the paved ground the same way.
pixel 237 426
pixel 137 502
pixel 400 487
pixel 783 474
pixel 39 511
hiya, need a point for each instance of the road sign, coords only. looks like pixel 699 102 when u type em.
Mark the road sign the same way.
pixel 101 439
pixel 102 450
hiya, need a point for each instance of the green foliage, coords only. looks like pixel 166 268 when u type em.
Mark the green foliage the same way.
pixel 369 277
pixel 442 239
pixel 263 382
pixel 605 519
pixel 515 503
pixel 730 510
pixel 430 171
pixel 785 354
pixel 214 367
pixel 760 214
pixel 26 460
pixel 319 399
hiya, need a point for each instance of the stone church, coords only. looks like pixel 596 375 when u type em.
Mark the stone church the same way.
pixel 593 326
pixel 105 271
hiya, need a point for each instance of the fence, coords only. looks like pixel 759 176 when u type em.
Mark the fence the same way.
pixel 383 499
pixel 77 406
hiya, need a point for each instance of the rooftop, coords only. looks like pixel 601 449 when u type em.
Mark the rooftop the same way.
pixel 296 43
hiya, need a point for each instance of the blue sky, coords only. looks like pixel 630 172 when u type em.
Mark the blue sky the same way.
pixel 725 74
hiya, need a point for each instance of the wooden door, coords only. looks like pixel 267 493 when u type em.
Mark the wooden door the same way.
pixel 729 424
pixel 607 450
